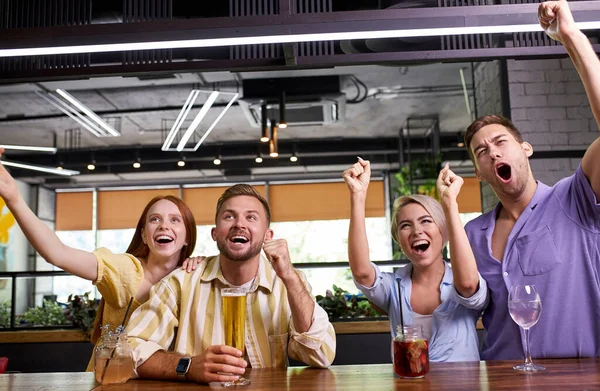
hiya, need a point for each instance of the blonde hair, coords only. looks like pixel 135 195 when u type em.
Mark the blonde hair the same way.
pixel 431 206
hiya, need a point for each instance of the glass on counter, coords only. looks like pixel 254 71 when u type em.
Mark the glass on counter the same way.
pixel 411 352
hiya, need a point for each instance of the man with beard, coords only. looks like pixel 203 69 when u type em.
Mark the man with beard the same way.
pixel 183 313
pixel 540 235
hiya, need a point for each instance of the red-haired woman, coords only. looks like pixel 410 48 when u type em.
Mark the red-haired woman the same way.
pixel 164 239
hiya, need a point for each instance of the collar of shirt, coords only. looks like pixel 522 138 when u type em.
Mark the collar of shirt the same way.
pixel 405 272
pixel 540 192
pixel 265 278
pixel 403 275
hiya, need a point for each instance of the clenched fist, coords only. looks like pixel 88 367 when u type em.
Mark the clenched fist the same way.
pixel 448 185
pixel 278 254
pixel 556 19
pixel 358 176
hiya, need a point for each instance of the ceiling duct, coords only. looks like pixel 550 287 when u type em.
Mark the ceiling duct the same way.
pixel 310 101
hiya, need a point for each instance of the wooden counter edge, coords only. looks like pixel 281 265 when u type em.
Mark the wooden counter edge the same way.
pixel 35 336
pixel 371 327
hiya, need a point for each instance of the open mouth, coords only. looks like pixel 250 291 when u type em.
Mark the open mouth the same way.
pixel 420 246
pixel 504 172
pixel 163 239
pixel 239 239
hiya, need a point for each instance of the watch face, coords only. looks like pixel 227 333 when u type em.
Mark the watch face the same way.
pixel 183 365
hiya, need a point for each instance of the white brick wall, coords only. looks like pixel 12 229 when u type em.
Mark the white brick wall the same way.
pixel 488 97
pixel 550 108
pixel 488 88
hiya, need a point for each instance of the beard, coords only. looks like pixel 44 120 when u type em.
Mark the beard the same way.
pixel 250 252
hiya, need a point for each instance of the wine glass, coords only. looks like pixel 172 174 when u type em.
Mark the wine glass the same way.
pixel 234 321
pixel 525 307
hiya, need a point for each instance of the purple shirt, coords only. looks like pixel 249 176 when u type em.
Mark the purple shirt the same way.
pixel 554 245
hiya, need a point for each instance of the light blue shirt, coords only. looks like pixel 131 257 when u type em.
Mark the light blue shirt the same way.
pixel 454 336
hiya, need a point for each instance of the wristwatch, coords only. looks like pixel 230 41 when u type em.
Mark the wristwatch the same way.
pixel 183 366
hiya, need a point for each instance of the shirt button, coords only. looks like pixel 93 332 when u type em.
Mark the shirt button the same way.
pixel 505 274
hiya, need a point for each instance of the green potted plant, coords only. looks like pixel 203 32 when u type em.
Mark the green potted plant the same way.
pixel 342 305
pixel 81 311
pixel 5 314
pixel 49 314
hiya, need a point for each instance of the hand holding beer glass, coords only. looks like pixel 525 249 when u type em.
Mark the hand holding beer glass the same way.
pixel 234 322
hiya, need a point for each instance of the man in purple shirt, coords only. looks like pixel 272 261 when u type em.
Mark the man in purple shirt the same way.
pixel 546 236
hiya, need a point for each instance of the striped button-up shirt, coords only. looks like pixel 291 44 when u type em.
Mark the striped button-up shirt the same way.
pixel 184 315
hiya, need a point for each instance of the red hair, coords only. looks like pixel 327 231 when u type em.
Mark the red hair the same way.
pixel 139 249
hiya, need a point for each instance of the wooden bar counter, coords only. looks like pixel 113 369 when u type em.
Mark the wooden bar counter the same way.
pixel 566 374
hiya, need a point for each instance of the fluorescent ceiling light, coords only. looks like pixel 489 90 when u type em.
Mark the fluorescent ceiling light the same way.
pixel 187 106
pixel 50 170
pixel 205 135
pixel 199 117
pixel 288 38
pixel 79 113
pixel 71 112
pixel 29 148
pixel 180 118
pixel 89 112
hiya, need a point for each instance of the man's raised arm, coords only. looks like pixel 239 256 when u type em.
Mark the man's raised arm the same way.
pixel 557 20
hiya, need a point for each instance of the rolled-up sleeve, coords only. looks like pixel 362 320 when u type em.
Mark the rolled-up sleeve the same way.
pixel 119 277
pixel 152 326
pixel 316 346
pixel 478 301
pixel 379 293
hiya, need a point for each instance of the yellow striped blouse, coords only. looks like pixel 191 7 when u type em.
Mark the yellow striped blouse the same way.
pixel 183 315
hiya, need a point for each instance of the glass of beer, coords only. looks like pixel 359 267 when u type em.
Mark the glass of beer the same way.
pixel 234 322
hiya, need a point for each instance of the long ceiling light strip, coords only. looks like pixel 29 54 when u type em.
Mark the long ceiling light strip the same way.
pixel 50 170
pixel 71 112
pixel 205 135
pixel 81 118
pixel 199 117
pixel 180 118
pixel 289 38
pixel 28 148
pixel 112 131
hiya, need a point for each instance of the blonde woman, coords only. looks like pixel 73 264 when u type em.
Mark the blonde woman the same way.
pixel 446 301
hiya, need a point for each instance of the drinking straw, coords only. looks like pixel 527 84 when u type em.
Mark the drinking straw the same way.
pixel 115 348
pixel 401 315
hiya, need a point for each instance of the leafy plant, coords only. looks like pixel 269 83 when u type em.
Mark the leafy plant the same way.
pixel 49 314
pixel 5 314
pixel 81 310
pixel 418 177
pixel 341 304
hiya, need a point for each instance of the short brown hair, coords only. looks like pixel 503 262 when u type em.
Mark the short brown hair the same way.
pixel 485 121
pixel 242 189
pixel 139 249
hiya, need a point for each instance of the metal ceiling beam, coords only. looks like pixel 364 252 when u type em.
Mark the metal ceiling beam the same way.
pixel 240 156
pixel 303 62
pixel 285 24
pixel 282 24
